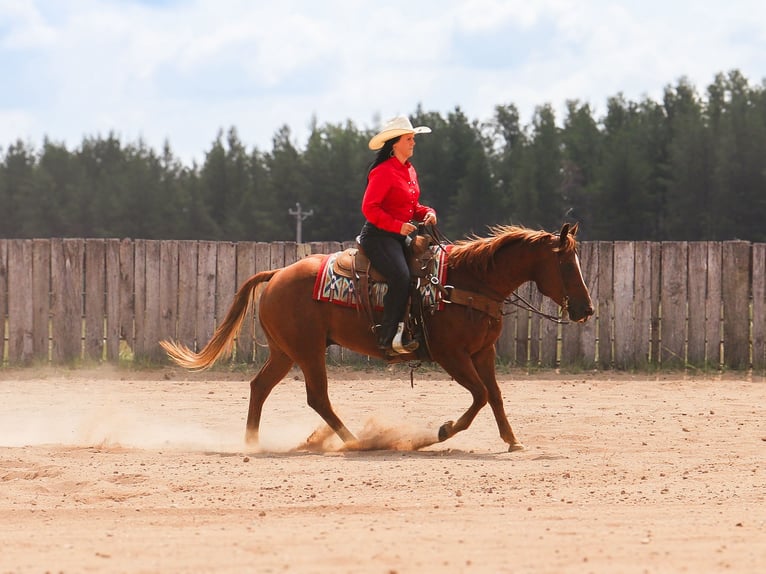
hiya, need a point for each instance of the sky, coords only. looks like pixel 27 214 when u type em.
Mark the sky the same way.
pixel 181 71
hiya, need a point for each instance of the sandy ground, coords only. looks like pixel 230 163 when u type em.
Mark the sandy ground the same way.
pixel 118 471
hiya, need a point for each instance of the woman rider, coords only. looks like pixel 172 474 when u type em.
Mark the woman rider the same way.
pixel 390 203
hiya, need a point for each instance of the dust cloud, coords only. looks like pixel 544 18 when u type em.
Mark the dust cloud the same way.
pixel 376 434
pixel 84 412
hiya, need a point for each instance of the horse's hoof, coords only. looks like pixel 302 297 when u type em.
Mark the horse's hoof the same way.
pixel 445 431
pixel 515 447
pixel 251 438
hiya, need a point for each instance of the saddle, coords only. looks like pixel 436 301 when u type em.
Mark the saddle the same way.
pixel 353 262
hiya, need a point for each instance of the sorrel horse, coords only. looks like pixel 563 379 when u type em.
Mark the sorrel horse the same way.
pixel 461 339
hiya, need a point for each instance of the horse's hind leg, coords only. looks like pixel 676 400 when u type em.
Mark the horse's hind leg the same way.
pixel 274 370
pixel 318 399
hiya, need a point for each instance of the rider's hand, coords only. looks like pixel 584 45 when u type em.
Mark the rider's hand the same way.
pixel 430 218
pixel 407 228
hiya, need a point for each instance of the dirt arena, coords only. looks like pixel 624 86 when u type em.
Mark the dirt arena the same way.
pixel 122 471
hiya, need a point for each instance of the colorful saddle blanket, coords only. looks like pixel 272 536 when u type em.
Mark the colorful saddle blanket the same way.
pixel 333 288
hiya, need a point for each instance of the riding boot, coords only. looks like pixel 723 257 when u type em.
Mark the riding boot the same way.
pixel 385 334
pixel 393 340
pixel 402 343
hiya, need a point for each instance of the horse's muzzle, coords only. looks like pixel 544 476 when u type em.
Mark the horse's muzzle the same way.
pixel 579 313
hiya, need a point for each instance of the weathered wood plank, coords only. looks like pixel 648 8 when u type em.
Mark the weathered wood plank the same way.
pixel 41 299
pixel 245 349
pixel 225 279
pixel 642 304
pixel 318 247
pixel 655 297
pixel 673 302
pixel 624 320
pixel 290 253
pixel 67 283
pixel 605 297
pixel 697 282
pixel 186 331
pixel 536 299
pixel 735 291
pixel 759 306
pixel 304 250
pixel 714 306
pixel 95 299
pixel 139 298
pixel 3 297
pixel 112 274
pixel 20 308
pixel 523 326
pixel 127 297
pixel 168 289
pixel 505 348
pixel 549 334
pixel 206 292
pixel 153 306
pixel 277 255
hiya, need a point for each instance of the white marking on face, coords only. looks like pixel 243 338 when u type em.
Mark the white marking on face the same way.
pixel 582 279
pixel 579 269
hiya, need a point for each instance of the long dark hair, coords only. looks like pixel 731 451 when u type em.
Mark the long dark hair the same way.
pixel 383 154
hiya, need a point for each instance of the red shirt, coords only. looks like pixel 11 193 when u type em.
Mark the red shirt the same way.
pixel 392 195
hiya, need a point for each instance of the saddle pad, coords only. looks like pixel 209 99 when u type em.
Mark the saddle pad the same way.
pixel 333 288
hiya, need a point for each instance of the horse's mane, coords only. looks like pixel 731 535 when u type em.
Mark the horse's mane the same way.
pixel 478 253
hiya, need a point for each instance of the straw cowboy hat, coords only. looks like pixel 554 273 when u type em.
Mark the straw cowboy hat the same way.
pixel 395 127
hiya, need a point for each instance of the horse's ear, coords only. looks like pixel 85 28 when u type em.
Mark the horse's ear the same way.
pixel 563 234
pixel 574 229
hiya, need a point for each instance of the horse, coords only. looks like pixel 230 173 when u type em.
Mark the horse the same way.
pixel 461 336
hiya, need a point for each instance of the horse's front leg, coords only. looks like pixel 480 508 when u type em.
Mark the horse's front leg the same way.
pixel 460 367
pixel 485 366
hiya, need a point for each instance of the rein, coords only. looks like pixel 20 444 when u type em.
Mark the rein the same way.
pixel 514 298
pixel 521 303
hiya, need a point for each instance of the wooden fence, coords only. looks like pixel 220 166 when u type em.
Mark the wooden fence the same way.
pixel 671 304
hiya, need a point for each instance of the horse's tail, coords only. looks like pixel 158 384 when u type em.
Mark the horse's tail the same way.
pixel 223 339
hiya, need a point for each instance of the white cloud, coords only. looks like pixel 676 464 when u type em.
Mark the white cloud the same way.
pixel 183 70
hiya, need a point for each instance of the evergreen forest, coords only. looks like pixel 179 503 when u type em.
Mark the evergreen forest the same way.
pixel 690 167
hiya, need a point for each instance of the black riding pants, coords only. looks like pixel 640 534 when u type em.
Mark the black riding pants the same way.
pixel 386 253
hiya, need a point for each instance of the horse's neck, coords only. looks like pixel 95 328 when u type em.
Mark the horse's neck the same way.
pixel 514 266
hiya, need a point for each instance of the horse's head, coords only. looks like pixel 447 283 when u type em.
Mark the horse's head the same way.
pixel 521 255
pixel 559 276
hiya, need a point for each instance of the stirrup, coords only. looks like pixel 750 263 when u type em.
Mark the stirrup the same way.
pixel 399 346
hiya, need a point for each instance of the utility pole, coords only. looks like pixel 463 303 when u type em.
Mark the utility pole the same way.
pixel 300 216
